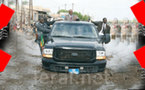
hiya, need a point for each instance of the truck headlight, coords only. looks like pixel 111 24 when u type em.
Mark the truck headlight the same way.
pixel 100 55
pixel 48 53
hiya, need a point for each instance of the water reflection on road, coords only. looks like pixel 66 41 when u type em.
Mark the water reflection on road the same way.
pixel 24 71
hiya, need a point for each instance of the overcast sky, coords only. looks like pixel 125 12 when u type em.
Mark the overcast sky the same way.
pixel 95 8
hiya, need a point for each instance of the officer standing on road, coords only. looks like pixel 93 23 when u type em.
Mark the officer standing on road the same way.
pixel 41 29
pixel 134 31
pixel 126 31
pixel 115 29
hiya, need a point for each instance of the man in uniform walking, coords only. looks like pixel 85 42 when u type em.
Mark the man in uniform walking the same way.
pixel 115 29
pixel 126 31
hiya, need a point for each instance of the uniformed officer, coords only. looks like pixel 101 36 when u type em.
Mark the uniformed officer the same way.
pixel 135 30
pixel 115 29
pixel 126 31
pixel 42 28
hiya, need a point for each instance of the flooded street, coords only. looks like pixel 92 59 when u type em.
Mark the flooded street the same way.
pixel 25 72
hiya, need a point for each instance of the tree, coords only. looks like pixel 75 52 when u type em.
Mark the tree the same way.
pixel 62 10
pixel 11 2
pixel 3 1
pixel 30 11
pixel 23 2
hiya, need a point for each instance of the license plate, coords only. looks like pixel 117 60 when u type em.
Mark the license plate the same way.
pixel 74 71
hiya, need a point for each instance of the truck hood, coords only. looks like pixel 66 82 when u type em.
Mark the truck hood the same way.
pixel 73 42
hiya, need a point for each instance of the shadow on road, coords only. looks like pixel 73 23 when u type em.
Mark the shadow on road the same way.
pixel 2 44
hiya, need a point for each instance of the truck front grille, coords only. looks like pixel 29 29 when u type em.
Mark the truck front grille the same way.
pixel 74 55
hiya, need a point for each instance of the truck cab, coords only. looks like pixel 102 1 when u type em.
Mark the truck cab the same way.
pixel 74 47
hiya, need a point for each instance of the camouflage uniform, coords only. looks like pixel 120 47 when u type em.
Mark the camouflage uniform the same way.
pixel 126 31
pixel 134 32
pixel 115 30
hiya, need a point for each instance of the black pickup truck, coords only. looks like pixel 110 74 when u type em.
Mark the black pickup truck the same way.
pixel 141 36
pixel 74 47
pixel 4 32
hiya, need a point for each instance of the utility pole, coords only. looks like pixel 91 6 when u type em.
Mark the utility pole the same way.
pixel 65 6
pixel 21 13
pixel 3 1
pixel 58 8
pixel 8 2
pixel 30 11
pixel 16 8
pixel 72 6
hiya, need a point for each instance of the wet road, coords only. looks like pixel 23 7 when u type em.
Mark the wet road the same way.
pixel 24 71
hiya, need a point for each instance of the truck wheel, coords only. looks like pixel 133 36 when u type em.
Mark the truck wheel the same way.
pixel 141 42
pixel 1 37
pixel 5 34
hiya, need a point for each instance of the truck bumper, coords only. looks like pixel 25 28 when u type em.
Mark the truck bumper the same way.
pixel 52 65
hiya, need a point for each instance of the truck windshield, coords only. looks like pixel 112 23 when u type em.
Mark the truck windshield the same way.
pixel 74 30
